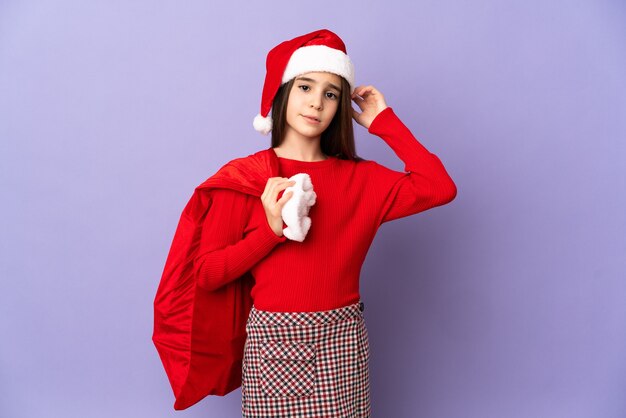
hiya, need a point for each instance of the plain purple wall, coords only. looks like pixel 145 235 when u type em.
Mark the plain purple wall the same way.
pixel 508 302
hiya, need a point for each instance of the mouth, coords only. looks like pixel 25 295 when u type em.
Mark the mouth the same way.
pixel 312 118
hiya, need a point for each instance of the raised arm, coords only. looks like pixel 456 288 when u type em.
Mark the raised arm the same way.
pixel 425 182
pixel 222 256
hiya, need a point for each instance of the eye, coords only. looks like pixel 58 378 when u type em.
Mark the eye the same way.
pixel 303 85
pixel 333 95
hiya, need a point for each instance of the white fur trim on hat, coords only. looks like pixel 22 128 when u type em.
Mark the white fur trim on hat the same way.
pixel 319 58
pixel 262 124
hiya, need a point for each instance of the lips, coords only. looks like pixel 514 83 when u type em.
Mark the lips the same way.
pixel 313 118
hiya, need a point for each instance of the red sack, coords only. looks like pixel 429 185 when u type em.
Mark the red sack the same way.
pixel 200 334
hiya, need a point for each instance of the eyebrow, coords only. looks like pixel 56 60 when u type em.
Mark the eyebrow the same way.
pixel 332 86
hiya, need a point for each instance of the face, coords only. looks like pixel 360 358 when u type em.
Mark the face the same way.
pixel 314 94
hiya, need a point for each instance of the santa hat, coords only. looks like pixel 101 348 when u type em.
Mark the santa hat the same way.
pixel 321 50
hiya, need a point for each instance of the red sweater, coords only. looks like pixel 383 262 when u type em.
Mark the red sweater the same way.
pixel 353 200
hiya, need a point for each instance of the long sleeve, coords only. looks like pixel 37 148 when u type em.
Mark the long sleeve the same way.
pixel 218 264
pixel 425 183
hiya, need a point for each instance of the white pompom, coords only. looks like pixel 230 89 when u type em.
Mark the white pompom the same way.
pixel 262 124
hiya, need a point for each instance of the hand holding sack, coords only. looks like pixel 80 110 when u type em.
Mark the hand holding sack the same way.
pixel 295 212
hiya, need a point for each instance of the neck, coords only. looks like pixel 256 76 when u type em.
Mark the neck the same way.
pixel 308 150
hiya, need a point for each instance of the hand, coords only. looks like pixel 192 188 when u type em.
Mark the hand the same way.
pixel 273 208
pixel 371 102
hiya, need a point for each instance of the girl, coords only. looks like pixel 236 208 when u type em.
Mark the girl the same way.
pixel 306 350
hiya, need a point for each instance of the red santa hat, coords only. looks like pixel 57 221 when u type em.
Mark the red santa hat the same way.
pixel 321 50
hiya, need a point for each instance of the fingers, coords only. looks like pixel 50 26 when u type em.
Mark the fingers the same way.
pixel 274 185
pixel 286 196
pixel 363 90
pixel 369 100
pixel 357 99
pixel 365 96
pixel 272 207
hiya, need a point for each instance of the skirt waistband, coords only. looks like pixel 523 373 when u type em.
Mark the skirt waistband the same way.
pixel 258 316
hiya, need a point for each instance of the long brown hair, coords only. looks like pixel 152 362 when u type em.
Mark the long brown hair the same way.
pixel 337 140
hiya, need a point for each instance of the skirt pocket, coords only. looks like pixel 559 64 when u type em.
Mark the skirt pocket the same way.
pixel 287 368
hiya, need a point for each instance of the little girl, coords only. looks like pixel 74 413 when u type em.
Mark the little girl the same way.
pixel 305 347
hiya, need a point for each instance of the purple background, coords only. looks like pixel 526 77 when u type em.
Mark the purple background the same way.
pixel 508 302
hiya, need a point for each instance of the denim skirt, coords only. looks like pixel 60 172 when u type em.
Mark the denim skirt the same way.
pixel 306 364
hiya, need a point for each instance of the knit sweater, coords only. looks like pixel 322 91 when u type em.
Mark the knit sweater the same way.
pixel 353 200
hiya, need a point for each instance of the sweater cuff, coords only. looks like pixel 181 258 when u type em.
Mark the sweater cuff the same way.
pixel 268 234
pixel 381 119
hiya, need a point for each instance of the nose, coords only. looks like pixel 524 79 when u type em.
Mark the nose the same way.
pixel 316 101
